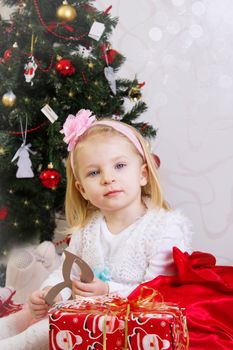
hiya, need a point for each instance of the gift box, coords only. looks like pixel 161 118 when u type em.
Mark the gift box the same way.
pixel 114 323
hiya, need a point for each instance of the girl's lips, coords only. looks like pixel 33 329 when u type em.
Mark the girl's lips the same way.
pixel 112 193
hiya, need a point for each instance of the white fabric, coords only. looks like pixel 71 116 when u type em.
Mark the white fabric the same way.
pixel 17 332
pixel 29 266
pixel 137 254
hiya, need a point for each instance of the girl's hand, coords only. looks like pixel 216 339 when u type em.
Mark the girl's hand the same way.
pixel 96 287
pixel 37 304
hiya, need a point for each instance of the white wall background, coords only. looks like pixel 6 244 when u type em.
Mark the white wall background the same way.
pixel 183 50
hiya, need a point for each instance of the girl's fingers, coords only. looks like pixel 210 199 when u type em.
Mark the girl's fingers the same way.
pixel 40 315
pixel 83 294
pixel 38 302
pixel 39 307
pixel 85 287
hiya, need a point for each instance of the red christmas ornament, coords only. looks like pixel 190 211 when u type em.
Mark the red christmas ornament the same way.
pixel 3 214
pixel 108 54
pixel 50 177
pixel 7 54
pixel 156 159
pixel 111 54
pixel 65 67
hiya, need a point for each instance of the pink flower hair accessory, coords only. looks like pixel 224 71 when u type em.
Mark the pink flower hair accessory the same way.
pixel 75 126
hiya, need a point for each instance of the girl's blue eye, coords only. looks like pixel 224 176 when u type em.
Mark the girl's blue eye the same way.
pixel 120 165
pixel 93 173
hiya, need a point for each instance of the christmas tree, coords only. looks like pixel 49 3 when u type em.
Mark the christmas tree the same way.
pixel 54 57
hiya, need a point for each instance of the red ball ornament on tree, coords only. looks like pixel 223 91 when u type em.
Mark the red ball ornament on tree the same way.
pixel 65 67
pixel 108 54
pixel 50 177
pixel 156 159
pixel 7 54
pixel 3 214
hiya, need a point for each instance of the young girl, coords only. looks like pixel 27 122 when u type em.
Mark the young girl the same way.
pixel 122 226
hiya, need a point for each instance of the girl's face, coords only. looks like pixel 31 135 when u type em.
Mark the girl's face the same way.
pixel 110 173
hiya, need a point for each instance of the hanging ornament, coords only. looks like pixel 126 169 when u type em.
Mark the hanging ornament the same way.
pixel 96 30
pixel 135 94
pixel 109 72
pixel 108 53
pixel 9 99
pixel 66 12
pixel 24 163
pixel 65 67
pixel 83 51
pixel 7 54
pixel 31 66
pixel 50 177
pixel 3 214
pixel 110 76
pixel 156 159
pixel 30 69
pixel 2 151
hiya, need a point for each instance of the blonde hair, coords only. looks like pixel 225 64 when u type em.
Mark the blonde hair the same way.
pixel 78 209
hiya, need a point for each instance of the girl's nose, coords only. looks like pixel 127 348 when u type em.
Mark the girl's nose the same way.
pixel 107 177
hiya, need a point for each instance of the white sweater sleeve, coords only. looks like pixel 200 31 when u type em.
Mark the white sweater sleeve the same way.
pixel 56 276
pixel 176 233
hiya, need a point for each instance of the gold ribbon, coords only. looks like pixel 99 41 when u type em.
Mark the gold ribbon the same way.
pixel 105 332
pixel 126 326
pixel 152 301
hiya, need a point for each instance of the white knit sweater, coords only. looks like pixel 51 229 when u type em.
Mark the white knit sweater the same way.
pixel 137 254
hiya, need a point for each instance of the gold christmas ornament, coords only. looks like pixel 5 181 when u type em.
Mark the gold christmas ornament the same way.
pixel 71 93
pixel 58 57
pixel 135 94
pixel 9 99
pixel 50 165
pixel 66 12
pixel 2 151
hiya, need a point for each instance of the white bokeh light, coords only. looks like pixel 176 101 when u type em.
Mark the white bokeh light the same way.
pixel 198 8
pixel 195 31
pixel 155 34
pixel 173 27
pixel 186 40
pixel 178 2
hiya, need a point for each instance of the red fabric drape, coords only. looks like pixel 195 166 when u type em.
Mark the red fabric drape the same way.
pixel 206 292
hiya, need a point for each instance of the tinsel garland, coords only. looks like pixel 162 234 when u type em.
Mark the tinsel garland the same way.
pixel 29 130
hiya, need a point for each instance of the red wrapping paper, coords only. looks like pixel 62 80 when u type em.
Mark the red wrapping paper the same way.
pixel 113 323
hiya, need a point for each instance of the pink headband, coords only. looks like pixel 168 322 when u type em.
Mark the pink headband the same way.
pixel 75 126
